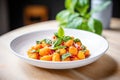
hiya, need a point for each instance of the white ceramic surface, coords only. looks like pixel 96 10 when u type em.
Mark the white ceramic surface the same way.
pixel 95 43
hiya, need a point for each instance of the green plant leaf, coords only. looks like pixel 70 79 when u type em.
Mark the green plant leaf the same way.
pixel 91 25
pixel 98 26
pixel 63 16
pixel 100 7
pixel 72 16
pixel 76 23
pixel 60 32
pixel 64 56
pixel 70 5
pixel 95 26
pixel 82 6
pixel 84 26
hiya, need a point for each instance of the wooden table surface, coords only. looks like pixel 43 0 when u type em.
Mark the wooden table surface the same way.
pixel 106 68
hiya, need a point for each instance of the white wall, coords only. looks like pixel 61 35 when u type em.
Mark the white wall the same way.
pixel 3 17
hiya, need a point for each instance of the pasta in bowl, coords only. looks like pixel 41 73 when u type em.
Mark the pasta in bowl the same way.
pixel 59 48
pixel 69 49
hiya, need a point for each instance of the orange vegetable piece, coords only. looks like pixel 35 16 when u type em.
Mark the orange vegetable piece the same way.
pixel 81 55
pixel 34 55
pixel 73 50
pixel 56 57
pixel 69 43
pixel 74 58
pixel 46 58
pixel 87 53
pixel 62 51
pixel 79 43
pixel 38 46
pixel 44 51
pixel 67 59
pixel 44 44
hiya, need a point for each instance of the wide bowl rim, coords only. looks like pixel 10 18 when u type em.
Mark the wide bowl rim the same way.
pixel 53 62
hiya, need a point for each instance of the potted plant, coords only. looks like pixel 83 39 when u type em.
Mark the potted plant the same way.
pixel 77 16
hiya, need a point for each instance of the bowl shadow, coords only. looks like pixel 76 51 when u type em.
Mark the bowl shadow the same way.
pixel 102 68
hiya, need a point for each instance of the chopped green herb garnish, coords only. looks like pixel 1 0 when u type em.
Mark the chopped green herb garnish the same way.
pixel 38 42
pixel 77 40
pixel 64 56
pixel 48 41
pixel 57 42
pixel 56 34
pixel 59 47
pixel 66 38
pixel 83 47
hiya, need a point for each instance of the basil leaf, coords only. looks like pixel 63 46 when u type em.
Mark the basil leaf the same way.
pixel 83 47
pixel 56 34
pixel 38 42
pixel 63 16
pixel 84 26
pixel 98 27
pixel 77 40
pixel 76 23
pixel 70 5
pixel 91 24
pixel 66 38
pixel 82 6
pixel 63 24
pixel 72 17
pixel 60 32
pixel 48 41
pixel 57 42
pixel 64 56
pixel 95 26
pixel 34 51
pixel 59 47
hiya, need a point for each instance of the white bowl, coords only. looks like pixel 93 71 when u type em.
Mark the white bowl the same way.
pixel 95 43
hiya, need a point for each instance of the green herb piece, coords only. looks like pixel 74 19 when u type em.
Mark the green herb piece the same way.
pixel 56 34
pixel 57 42
pixel 59 47
pixel 66 38
pixel 83 47
pixel 60 32
pixel 64 56
pixel 77 40
pixel 34 51
pixel 48 41
pixel 38 42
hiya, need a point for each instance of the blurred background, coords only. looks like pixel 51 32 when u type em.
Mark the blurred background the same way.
pixel 17 13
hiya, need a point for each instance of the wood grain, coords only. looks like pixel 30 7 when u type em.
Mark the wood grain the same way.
pixel 106 68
